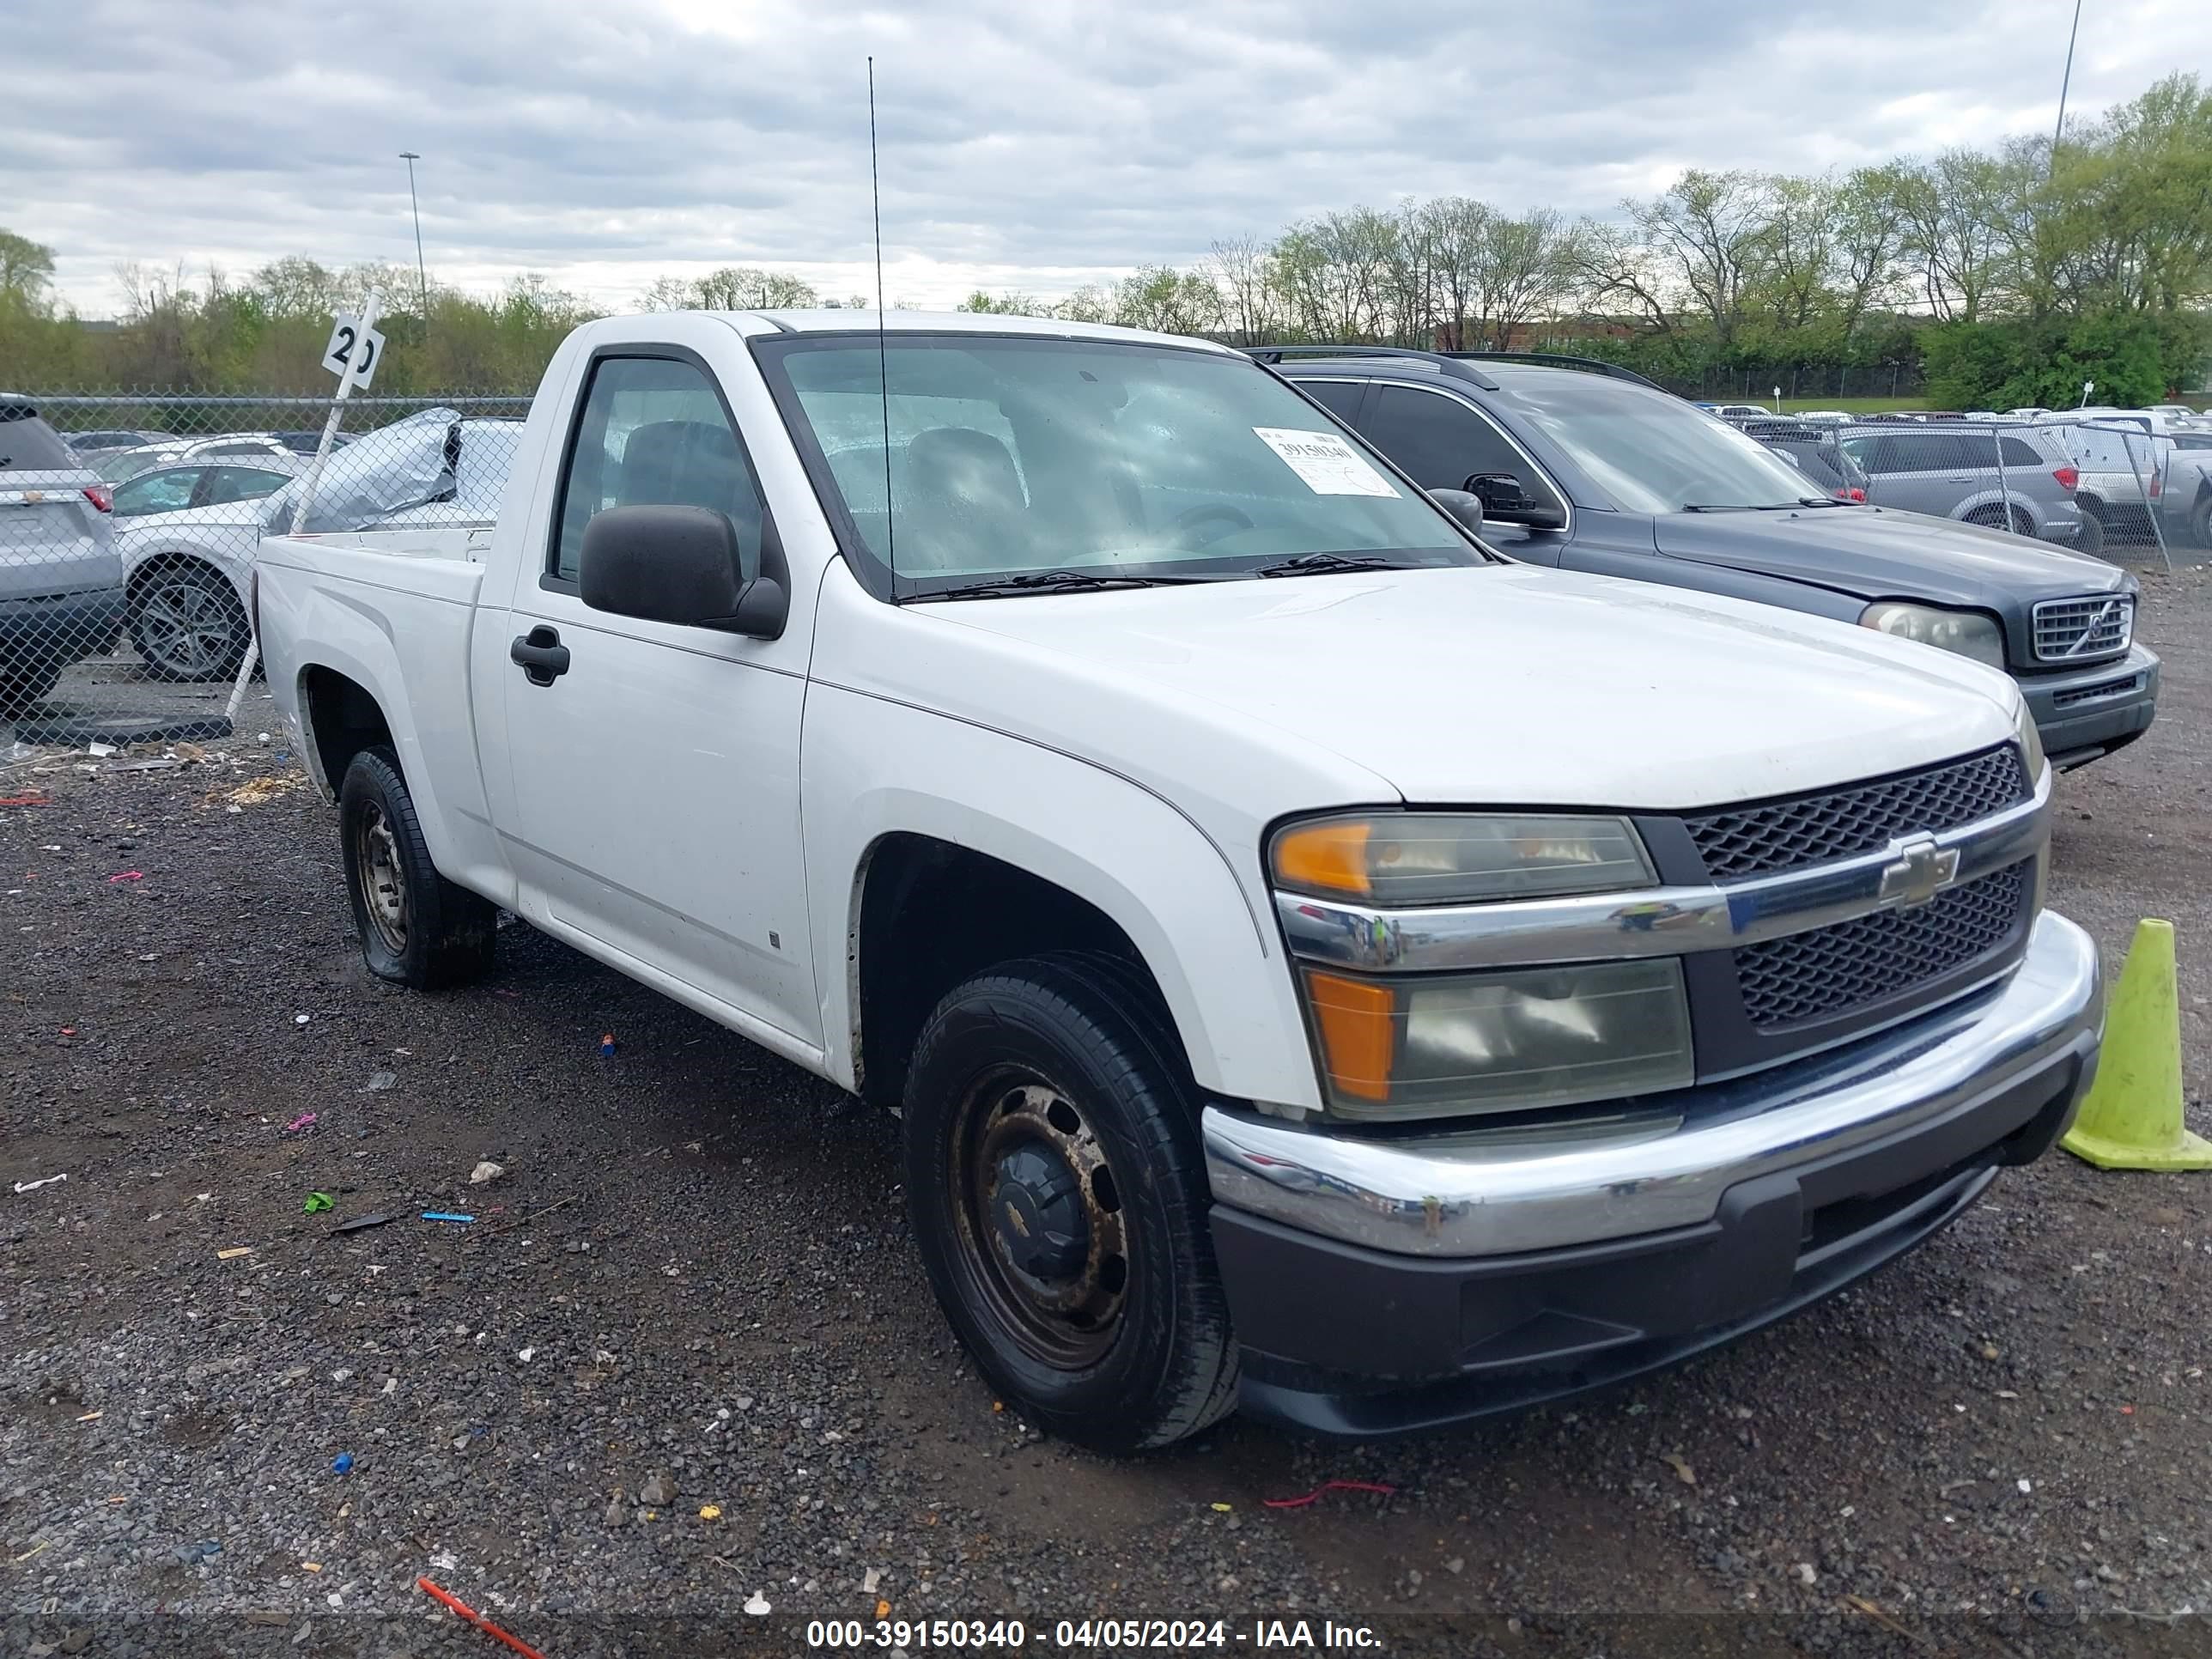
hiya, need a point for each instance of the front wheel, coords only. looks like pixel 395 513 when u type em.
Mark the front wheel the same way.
pixel 187 623
pixel 1058 1194
pixel 417 928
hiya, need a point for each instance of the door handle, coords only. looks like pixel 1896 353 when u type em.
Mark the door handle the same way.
pixel 540 655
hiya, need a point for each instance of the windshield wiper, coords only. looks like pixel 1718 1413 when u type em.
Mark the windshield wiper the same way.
pixel 1048 581
pixel 1322 564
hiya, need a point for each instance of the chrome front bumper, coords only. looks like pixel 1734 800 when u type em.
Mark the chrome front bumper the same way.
pixel 1473 1192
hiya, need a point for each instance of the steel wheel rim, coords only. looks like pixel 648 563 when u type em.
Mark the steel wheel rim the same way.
pixel 1013 1119
pixel 185 627
pixel 383 880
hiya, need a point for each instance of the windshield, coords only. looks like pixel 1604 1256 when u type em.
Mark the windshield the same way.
pixel 1650 452
pixel 1011 457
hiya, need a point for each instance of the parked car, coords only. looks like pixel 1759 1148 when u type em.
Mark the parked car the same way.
pixel 1823 416
pixel 61 594
pixel 2122 476
pixel 1048 770
pixel 128 464
pixel 93 447
pixel 2020 478
pixel 306 443
pixel 1591 468
pixel 2185 504
pixel 1815 452
pixel 187 571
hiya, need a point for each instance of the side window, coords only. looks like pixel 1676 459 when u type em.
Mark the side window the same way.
pixel 1928 453
pixel 1977 452
pixel 243 483
pixel 1440 441
pixel 654 434
pixel 165 491
pixel 1338 398
pixel 1872 455
pixel 2018 453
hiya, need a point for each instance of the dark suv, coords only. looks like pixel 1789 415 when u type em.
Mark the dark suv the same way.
pixel 1587 466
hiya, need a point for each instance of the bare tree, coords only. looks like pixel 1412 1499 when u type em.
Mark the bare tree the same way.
pixel 1952 211
pixel 1523 269
pixel 1243 269
pixel 1710 233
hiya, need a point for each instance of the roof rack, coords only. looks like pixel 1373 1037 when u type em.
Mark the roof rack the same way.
pixel 1443 360
pixel 1556 360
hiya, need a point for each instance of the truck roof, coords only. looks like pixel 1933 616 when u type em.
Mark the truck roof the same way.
pixel 840 320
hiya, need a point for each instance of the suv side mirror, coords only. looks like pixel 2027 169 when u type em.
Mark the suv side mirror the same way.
pixel 1463 506
pixel 1507 500
pixel 682 565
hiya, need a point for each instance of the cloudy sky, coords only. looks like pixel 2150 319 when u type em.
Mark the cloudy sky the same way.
pixel 1025 143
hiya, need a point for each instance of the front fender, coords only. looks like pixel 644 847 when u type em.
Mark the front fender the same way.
pixel 871 768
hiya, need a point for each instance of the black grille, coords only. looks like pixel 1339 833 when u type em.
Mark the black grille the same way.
pixel 1831 970
pixel 1750 841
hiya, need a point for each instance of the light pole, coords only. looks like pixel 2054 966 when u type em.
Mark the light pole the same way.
pixel 422 275
pixel 2065 81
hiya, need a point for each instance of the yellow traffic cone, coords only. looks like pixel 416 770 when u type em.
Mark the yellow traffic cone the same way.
pixel 2131 1119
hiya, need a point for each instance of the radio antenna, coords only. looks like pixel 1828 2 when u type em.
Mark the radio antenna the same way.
pixel 883 350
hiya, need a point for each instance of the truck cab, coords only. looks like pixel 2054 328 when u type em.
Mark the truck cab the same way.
pixel 1318 962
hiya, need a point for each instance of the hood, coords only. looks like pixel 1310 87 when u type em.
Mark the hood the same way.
pixel 1887 554
pixel 1508 686
pixel 1882 553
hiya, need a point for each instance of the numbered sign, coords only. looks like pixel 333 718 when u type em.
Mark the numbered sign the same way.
pixel 356 347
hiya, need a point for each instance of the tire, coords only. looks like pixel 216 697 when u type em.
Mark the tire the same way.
pixel 186 621
pixel 417 928
pixel 1028 1082
pixel 2200 522
pixel 2092 539
pixel 23 688
pixel 1995 516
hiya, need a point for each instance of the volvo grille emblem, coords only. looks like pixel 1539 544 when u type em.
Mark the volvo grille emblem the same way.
pixel 1918 870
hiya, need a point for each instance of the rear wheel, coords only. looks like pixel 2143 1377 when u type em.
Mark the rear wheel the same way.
pixel 187 623
pixel 2200 522
pixel 1059 1200
pixel 417 928
pixel 1997 517
pixel 2092 539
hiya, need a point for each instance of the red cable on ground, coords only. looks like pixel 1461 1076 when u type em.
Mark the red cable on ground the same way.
pixel 1329 1485
pixel 477 1619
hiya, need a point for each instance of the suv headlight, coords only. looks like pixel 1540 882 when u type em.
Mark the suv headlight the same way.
pixel 2031 742
pixel 1967 632
pixel 1438 1045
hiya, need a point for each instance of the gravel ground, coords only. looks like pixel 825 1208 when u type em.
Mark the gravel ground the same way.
pixel 694 1271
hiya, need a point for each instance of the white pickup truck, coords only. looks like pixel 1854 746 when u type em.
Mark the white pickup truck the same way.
pixel 1319 962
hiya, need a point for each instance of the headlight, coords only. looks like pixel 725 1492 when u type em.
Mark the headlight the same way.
pixel 1507 1042
pixel 1967 632
pixel 1435 858
pixel 2031 742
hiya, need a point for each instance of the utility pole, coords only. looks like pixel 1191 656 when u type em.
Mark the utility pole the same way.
pixel 2065 81
pixel 422 275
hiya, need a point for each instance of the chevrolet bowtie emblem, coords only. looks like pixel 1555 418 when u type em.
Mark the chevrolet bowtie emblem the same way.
pixel 1918 870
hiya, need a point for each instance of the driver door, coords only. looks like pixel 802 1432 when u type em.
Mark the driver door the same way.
pixel 655 777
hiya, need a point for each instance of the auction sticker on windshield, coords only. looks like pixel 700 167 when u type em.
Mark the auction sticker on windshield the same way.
pixel 1330 465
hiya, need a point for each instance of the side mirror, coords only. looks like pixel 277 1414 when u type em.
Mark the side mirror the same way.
pixel 1507 500
pixel 1463 505
pixel 682 565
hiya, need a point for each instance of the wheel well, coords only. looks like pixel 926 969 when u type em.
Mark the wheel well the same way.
pixel 933 914
pixel 342 719
pixel 176 561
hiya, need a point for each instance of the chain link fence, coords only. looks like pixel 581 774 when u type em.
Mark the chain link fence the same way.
pixel 2097 485
pixel 129 522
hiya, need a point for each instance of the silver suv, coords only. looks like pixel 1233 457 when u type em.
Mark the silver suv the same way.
pixel 61 580
pixel 2020 478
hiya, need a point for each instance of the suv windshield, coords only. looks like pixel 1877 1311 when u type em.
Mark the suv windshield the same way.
pixel 1651 453
pixel 1083 460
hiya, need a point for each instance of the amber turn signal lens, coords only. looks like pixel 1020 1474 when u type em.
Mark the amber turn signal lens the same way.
pixel 1358 1033
pixel 1329 857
